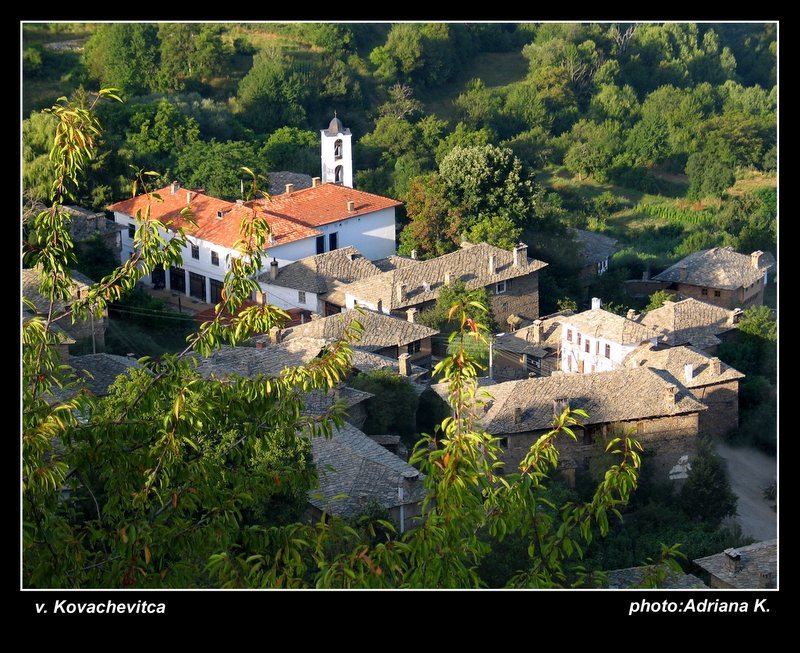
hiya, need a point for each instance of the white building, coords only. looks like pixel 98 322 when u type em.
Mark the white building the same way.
pixel 598 341
pixel 302 223
pixel 337 153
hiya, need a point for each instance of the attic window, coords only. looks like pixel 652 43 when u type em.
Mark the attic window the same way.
pixel 220 215
pixel 301 296
pixel 704 292
pixel 196 251
pixel 500 288
pixel 717 293
pixel 214 258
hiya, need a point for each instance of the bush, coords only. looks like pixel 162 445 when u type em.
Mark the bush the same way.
pixel 393 409
pixel 707 495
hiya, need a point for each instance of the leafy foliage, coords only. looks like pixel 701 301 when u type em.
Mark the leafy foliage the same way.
pixel 393 409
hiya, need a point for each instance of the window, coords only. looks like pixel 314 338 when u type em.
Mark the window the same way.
pixel 177 279
pixel 131 230
pixel 569 335
pixel 717 293
pixel 500 288
pixel 579 340
pixel 704 292
pixel 214 259
pixel 301 296
pixel 588 346
pixel 413 347
pixel 608 351
pixel 597 347
pixel 337 148
pixel 320 244
pixel 197 286
pixel 532 362
pixel 333 241
pixel 196 251
pixel 339 174
pixel 503 442
pixel 216 291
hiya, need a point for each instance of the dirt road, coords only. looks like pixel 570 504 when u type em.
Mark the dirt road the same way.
pixel 749 471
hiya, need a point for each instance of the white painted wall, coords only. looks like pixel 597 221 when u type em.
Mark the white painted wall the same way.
pixel 572 353
pixel 287 298
pixel 371 234
pixel 329 161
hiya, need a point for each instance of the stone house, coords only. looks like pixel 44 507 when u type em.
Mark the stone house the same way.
pixel 97 372
pixel 596 251
pixel 382 334
pixel 316 282
pixel 691 322
pixel 511 278
pixel 598 341
pixel 754 566
pixel 712 382
pixel 358 470
pixel 632 577
pixel 719 276
pixel 664 413
pixel 89 334
pixel 533 350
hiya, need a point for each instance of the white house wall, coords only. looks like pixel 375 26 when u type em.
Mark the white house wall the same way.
pixel 371 234
pixel 572 353
pixel 286 298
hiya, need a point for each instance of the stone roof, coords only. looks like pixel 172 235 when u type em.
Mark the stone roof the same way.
pixel 352 464
pixel 393 262
pixel 596 247
pixel 319 402
pixel 31 279
pixel 251 361
pixel 689 321
pixel 631 577
pixel 674 361
pixel 205 210
pixel 319 273
pixel 424 279
pixel 380 330
pixel 83 223
pixel 98 371
pixel 755 559
pixel 617 396
pixel 522 340
pixel 719 267
pixel 599 323
pixel 367 361
pixel 322 205
pixel 278 181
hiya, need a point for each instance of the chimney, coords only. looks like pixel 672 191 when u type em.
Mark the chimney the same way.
pixel 688 372
pixel 716 366
pixel 275 335
pixel 492 264
pixel 735 316
pixel 351 206
pixel 538 331
pixel 447 278
pixel 174 187
pixel 404 364
pixel 379 306
pixel 426 286
pixel 596 303
pixel 289 188
pixel 352 256
pixel 412 314
pixel 273 269
pixel 521 256
pixel 414 254
pixel 517 414
pixel 684 272
pixel 560 404
pixel 671 394
pixel 646 275
pixel 631 314
pixel 239 202
pixel 733 560
pixel 315 316
pixel 755 259
pixel 271 238
pixel 315 181
pixel 400 292
pixel 260 344
pixel 765 580
pixel 189 196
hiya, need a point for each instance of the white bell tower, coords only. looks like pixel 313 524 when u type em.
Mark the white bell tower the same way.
pixel 337 154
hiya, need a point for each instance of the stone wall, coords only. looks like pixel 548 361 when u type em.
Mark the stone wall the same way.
pixel 730 299
pixel 722 416
pixel 509 366
pixel 521 299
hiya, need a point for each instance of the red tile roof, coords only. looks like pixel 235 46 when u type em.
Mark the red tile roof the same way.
pixel 324 204
pixel 291 216
pixel 224 231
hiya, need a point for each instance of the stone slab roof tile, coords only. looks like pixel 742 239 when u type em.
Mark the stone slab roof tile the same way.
pixel 757 558
pixel 689 321
pixel 600 323
pixel 718 267
pixel 674 361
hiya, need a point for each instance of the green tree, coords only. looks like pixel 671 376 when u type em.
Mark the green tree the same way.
pixel 393 408
pixel 289 148
pixel 189 51
pixel 217 167
pixel 658 298
pixel 593 148
pixel 37 168
pixel 433 221
pixel 125 56
pixel 475 304
pixel 95 258
pixel 707 493
pixel 710 173
pixel 159 133
pixel 271 94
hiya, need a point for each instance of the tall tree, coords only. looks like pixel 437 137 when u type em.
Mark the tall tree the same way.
pixel 125 56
